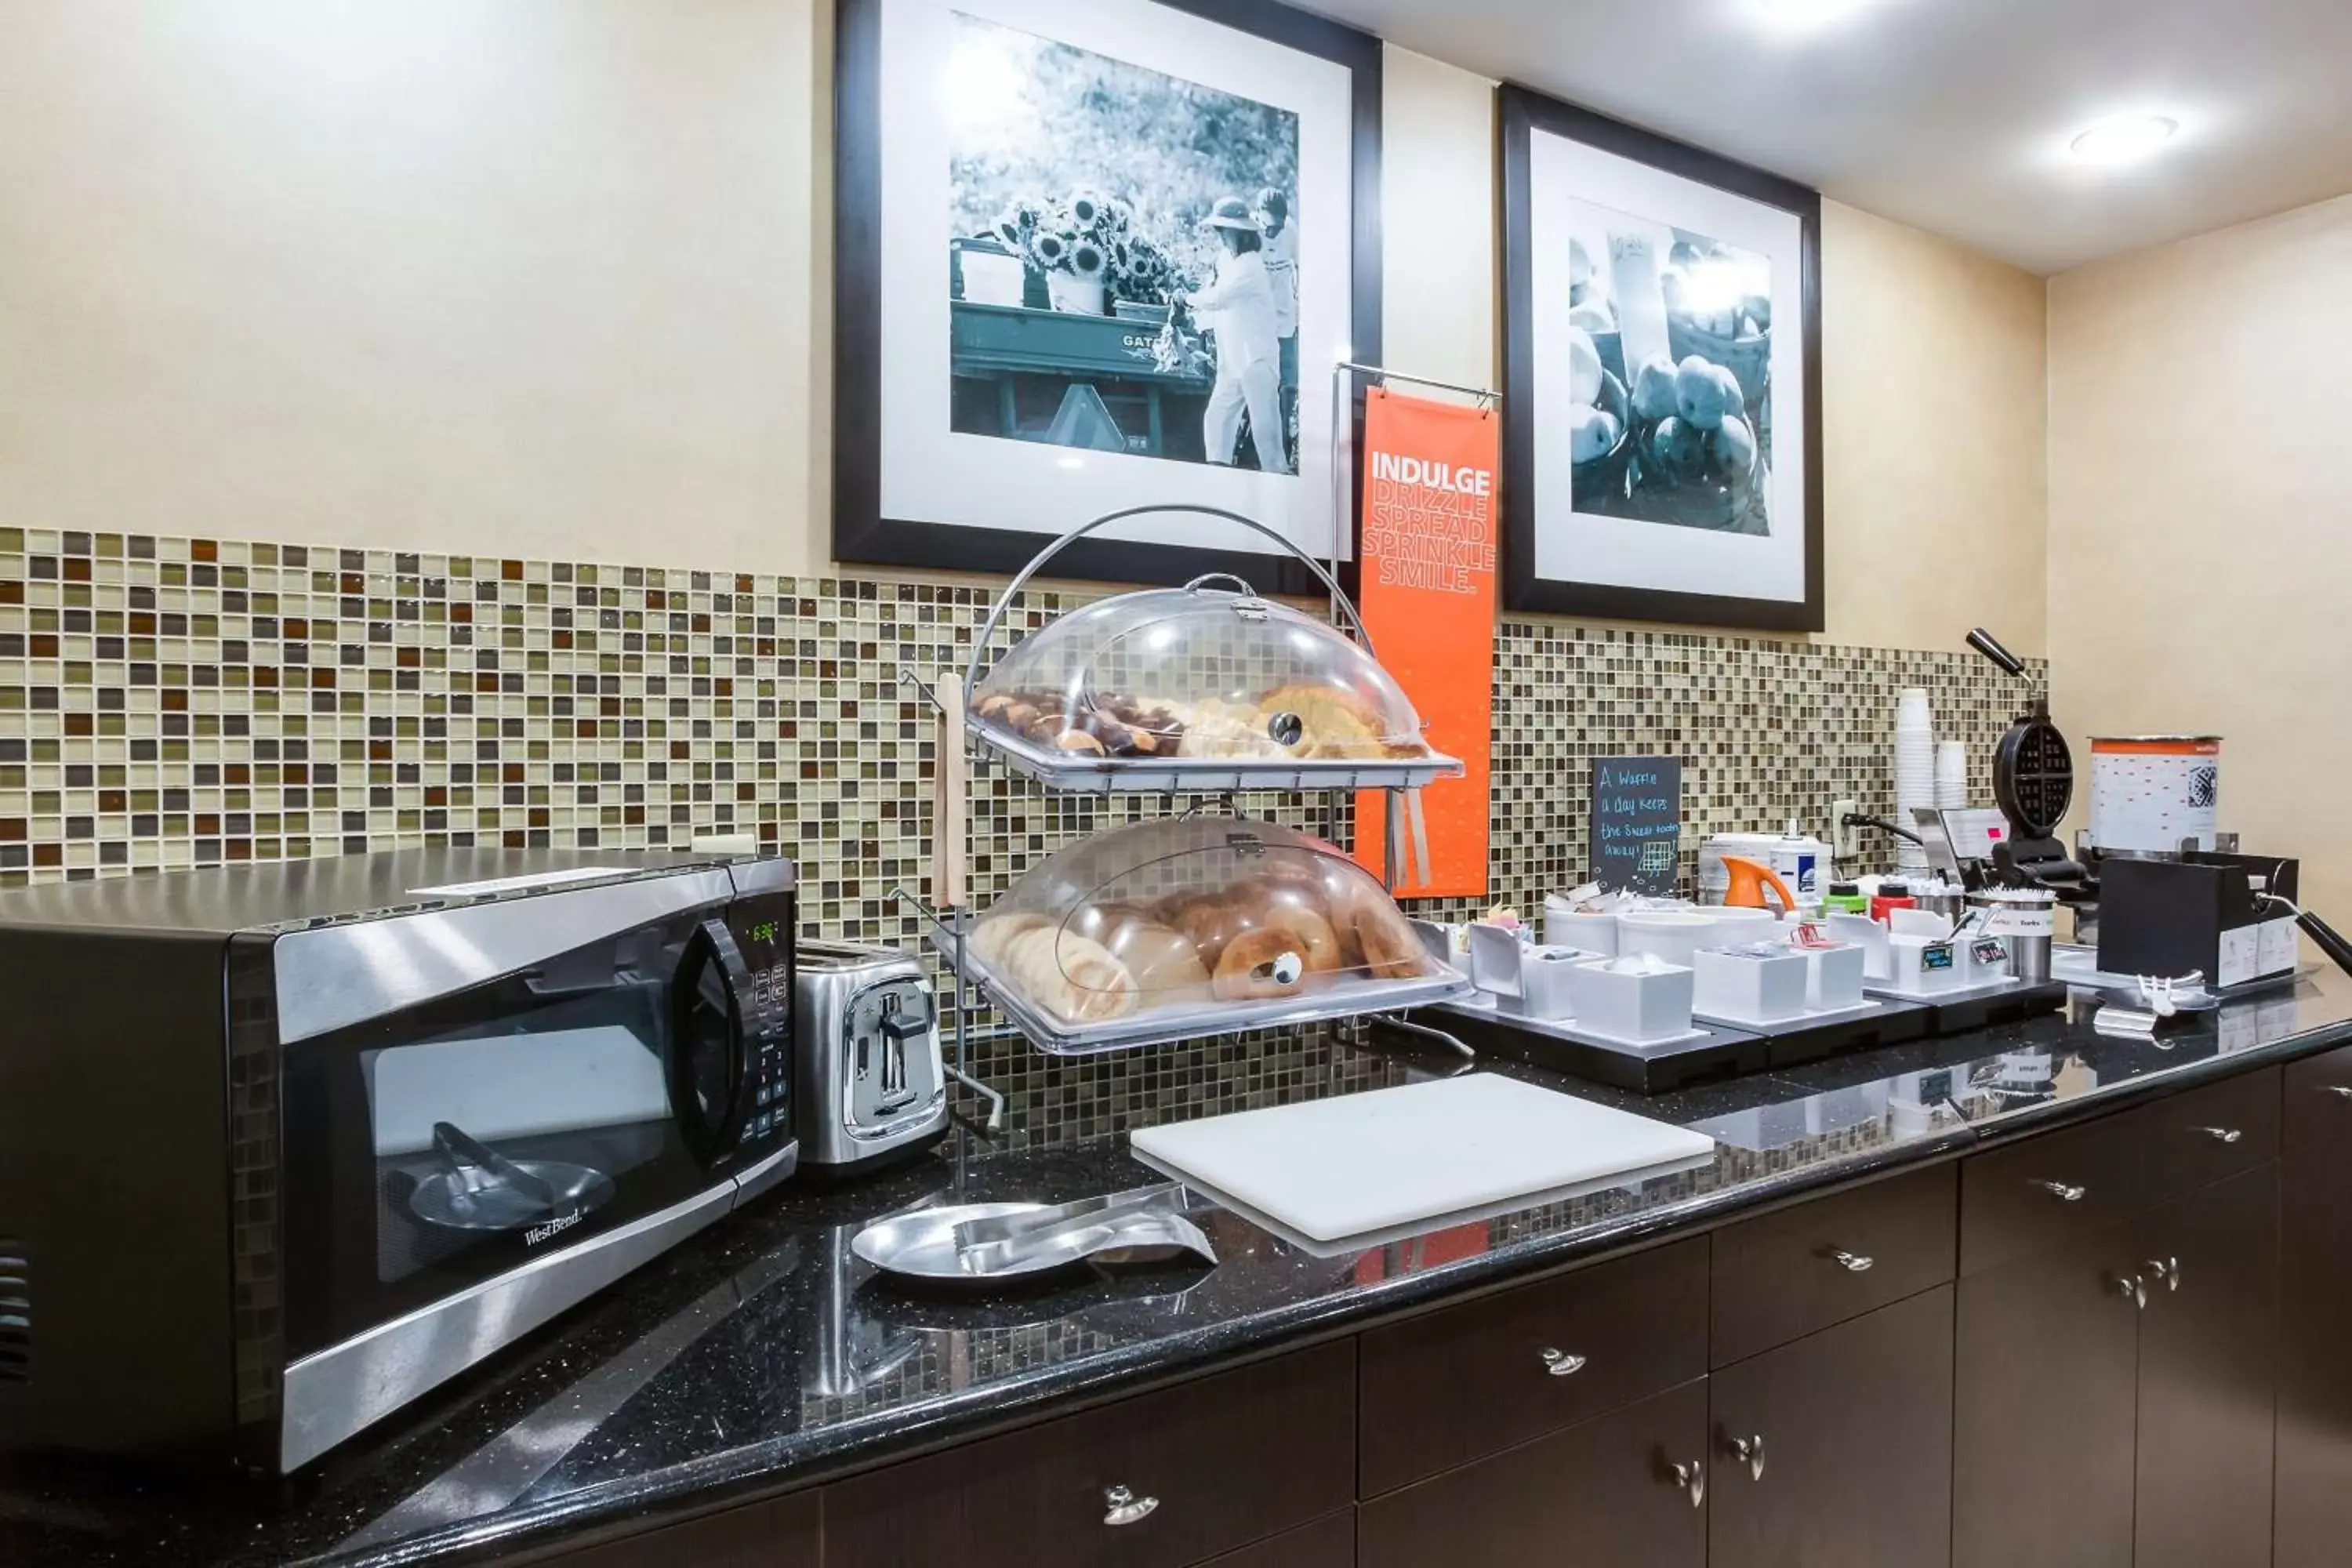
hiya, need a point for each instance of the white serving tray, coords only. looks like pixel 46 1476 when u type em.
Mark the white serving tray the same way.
pixel 1204 776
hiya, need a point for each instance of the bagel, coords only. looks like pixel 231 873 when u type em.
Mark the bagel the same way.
pixel 991 937
pixel 1242 972
pixel 1318 942
pixel 1389 947
pixel 1212 920
pixel 1161 958
pixel 1074 978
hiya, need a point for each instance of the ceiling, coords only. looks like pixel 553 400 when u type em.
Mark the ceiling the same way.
pixel 1951 115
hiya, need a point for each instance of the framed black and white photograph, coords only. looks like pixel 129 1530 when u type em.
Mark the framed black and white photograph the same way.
pixel 1662 346
pixel 1094 257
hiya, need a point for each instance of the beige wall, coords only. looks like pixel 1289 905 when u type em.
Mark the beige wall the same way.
pixel 1935 422
pixel 550 277
pixel 536 277
pixel 2199 578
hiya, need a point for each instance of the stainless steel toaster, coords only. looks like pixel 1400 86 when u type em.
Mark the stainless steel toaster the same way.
pixel 869 1079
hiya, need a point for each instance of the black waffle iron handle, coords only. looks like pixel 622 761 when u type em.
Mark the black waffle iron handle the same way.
pixel 2326 938
pixel 1985 643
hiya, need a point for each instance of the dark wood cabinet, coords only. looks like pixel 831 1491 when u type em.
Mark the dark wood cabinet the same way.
pixel 2047 1191
pixel 1782 1277
pixel 1836 1451
pixel 2196 1139
pixel 1465 1382
pixel 1329 1542
pixel 2121 1344
pixel 2046 1408
pixel 1604 1494
pixel 1161 1480
pixel 2315 1373
pixel 2210 1265
pixel 784 1533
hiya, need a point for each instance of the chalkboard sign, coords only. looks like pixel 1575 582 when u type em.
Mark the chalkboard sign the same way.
pixel 1637 823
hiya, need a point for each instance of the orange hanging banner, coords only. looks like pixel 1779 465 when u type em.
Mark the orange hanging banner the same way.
pixel 1427 595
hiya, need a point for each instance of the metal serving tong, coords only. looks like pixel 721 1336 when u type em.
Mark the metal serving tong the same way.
pixel 1138 1218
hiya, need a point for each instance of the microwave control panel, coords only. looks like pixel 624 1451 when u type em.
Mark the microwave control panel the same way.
pixel 763 927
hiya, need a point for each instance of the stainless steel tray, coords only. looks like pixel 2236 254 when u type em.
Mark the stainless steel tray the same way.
pixel 921 1245
pixel 1350 999
pixel 1204 775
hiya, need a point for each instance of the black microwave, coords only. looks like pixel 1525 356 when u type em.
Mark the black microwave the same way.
pixel 282 1147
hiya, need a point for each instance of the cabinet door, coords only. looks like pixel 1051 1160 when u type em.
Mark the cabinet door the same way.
pixel 1600 1494
pixel 2315 1381
pixel 1159 1481
pixel 2047 1403
pixel 1329 1542
pixel 1849 1447
pixel 2207 1353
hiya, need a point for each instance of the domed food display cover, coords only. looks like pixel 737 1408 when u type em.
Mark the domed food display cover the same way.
pixel 1201 688
pixel 1193 926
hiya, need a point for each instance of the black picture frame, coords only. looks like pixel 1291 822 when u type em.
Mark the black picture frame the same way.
pixel 861 533
pixel 1524 111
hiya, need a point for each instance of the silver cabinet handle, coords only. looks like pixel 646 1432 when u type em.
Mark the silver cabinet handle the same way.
pixel 2133 1289
pixel 1692 1479
pixel 2065 1192
pixel 1752 1450
pixel 1561 1364
pixel 2223 1134
pixel 2167 1269
pixel 1852 1262
pixel 1126 1508
pixel 2338 1090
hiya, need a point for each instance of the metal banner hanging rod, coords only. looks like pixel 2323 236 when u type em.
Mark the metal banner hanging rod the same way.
pixel 1483 395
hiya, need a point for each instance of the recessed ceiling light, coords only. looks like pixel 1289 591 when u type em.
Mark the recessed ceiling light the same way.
pixel 2125 139
pixel 1809 13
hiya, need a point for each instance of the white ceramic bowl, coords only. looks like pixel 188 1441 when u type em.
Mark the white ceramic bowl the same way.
pixel 1593 931
pixel 1671 934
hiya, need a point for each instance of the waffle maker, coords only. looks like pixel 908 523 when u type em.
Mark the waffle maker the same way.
pixel 2033 782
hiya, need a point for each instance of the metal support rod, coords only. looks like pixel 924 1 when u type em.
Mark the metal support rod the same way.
pixel 1400 1022
pixel 1483 393
pixel 962 1070
pixel 909 678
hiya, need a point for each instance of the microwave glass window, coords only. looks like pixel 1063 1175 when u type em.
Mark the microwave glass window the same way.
pixel 519 1130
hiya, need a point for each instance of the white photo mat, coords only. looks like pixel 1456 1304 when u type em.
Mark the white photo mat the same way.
pixel 1617 552
pixel 933 474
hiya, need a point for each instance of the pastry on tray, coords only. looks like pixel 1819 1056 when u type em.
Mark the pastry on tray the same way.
pixel 1296 922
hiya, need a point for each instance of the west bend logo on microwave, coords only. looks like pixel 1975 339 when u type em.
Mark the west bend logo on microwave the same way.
pixel 553 1227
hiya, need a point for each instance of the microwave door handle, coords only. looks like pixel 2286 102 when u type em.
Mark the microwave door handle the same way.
pixel 736 976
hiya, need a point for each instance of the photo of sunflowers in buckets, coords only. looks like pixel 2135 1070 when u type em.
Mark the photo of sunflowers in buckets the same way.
pixel 1670 355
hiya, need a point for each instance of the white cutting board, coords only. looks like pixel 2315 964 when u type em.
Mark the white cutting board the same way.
pixel 1362 1166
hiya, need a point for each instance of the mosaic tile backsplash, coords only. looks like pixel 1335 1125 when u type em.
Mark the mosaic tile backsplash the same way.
pixel 168 702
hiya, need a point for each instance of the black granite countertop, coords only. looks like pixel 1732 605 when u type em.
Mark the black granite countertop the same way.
pixel 763 1352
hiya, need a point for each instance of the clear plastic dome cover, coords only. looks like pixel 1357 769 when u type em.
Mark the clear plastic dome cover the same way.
pixel 1199 672
pixel 1199 924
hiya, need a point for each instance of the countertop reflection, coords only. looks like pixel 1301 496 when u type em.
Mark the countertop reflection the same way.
pixel 765 1349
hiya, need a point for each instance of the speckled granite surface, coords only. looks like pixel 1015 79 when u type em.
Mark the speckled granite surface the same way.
pixel 762 1351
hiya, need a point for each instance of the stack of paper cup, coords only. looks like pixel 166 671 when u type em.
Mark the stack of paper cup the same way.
pixel 1914 772
pixel 1951 774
